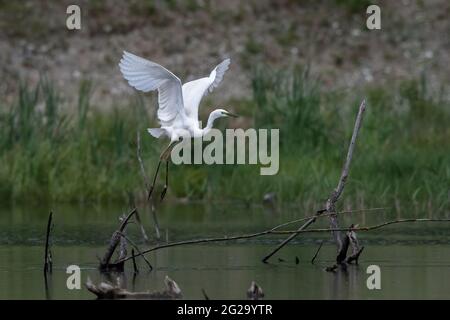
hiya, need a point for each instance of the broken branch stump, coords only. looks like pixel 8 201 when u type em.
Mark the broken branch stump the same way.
pixel 105 263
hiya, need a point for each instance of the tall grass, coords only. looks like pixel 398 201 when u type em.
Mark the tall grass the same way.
pixel 50 153
pixel 402 158
pixel 291 101
pixel 76 153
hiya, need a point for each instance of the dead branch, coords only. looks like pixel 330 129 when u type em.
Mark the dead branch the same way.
pixel 113 243
pixel 369 228
pixel 322 215
pixel 342 259
pixel 345 170
pixel 135 268
pixel 342 253
pixel 292 236
pixel 48 263
pixel 330 204
pixel 122 247
pixel 273 231
pixel 356 248
pixel 224 238
pixel 124 237
pixel 108 291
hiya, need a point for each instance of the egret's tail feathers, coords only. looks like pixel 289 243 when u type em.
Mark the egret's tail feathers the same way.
pixel 155 132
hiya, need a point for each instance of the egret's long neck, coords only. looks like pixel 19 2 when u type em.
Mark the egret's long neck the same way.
pixel 212 117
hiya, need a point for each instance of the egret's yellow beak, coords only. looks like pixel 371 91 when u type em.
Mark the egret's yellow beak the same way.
pixel 230 114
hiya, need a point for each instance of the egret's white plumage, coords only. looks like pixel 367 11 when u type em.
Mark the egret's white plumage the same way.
pixel 193 91
pixel 177 104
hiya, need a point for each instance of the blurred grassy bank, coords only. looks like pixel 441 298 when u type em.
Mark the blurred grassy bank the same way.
pixel 402 160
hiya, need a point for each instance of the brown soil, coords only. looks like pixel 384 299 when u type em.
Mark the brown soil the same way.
pixel 191 37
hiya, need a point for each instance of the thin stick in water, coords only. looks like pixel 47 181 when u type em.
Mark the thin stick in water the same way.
pixel 138 250
pixel 317 252
pixel 135 268
pixel 48 254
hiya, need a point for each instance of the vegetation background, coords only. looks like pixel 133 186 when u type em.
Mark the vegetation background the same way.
pixel 68 121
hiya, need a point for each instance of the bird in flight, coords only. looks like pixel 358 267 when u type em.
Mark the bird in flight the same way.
pixel 177 104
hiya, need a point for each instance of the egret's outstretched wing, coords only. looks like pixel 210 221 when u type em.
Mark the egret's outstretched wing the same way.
pixel 145 75
pixel 194 91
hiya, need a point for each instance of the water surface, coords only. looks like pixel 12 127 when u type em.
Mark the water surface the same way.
pixel 414 258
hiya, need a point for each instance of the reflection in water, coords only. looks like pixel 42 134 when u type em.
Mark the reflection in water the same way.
pixel 407 271
pixel 414 259
pixel 48 296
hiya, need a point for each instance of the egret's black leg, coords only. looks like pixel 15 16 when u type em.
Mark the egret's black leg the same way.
pixel 165 155
pixel 163 193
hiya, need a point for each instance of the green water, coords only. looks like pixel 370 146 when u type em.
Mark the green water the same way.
pixel 414 258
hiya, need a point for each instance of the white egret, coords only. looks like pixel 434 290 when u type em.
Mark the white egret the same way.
pixel 177 104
